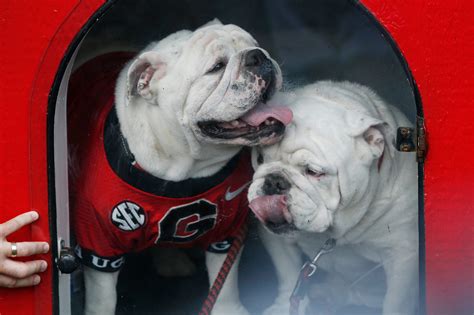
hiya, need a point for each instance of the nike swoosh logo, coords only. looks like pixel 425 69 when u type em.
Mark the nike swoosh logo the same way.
pixel 229 195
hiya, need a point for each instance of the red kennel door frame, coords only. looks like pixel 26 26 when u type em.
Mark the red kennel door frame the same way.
pixel 435 38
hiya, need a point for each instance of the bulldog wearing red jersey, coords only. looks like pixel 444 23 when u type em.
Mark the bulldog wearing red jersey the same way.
pixel 156 152
pixel 122 208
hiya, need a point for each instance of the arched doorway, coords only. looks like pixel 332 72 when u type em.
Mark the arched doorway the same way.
pixel 334 40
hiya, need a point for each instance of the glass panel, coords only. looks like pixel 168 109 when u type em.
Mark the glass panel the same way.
pixel 310 41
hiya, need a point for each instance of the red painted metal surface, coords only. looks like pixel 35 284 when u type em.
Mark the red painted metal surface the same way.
pixel 435 37
pixel 34 36
pixel 437 40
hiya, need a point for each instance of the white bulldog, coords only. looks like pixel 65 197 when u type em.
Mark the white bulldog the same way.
pixel 186 106
pixel 336 174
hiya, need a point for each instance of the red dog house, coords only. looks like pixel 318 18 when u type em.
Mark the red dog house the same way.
pixel 435 39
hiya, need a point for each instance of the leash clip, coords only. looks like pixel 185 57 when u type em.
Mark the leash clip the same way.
pixel 307 271
pixel 327 247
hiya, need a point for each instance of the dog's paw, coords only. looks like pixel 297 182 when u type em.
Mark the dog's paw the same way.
pixel 234 309
pixel 172 262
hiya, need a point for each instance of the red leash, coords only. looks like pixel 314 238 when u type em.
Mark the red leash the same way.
pixel 223 272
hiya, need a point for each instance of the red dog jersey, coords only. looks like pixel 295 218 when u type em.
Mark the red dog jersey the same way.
pixel 119 208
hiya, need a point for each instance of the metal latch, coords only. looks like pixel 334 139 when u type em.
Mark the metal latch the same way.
pixel 67 261
pixel 411 139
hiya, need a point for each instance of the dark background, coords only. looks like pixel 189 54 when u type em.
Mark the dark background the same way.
pixel 311 40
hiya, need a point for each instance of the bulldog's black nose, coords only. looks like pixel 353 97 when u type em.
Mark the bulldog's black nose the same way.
pixel 255 59
pixel 258 64
pixel 275 184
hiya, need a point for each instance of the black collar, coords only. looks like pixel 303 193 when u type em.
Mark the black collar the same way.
pixel 122 161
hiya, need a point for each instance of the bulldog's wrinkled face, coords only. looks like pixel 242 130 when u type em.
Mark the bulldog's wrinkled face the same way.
pixel 321 168
pixel 214 82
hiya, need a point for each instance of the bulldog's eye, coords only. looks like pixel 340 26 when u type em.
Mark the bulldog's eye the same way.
pixel 217 67
pixel 313 173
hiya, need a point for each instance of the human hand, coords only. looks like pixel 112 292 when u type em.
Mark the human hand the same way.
pixel 15 274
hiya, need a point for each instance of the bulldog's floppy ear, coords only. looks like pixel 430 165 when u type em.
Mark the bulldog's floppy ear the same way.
pixel 147 66
pixel 214 21
pixel 375 140
pixel 375 132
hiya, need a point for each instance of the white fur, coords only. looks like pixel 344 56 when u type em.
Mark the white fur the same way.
pixel 100 293
pixel 160 96
pixel 342 130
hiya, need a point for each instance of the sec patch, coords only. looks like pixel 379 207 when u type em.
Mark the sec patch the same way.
pixel 128 216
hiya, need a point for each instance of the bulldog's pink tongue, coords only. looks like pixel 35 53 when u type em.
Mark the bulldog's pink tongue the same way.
pixel 271 209
pixel 262 112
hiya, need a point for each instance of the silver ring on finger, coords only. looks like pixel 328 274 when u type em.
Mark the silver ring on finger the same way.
pixel 14 250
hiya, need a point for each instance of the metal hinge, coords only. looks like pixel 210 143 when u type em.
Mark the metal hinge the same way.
pixel 411 139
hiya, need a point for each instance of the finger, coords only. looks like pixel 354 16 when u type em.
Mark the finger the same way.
pixel 17 222
pixel 24 249
pixel 10 282
pixel 19 269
